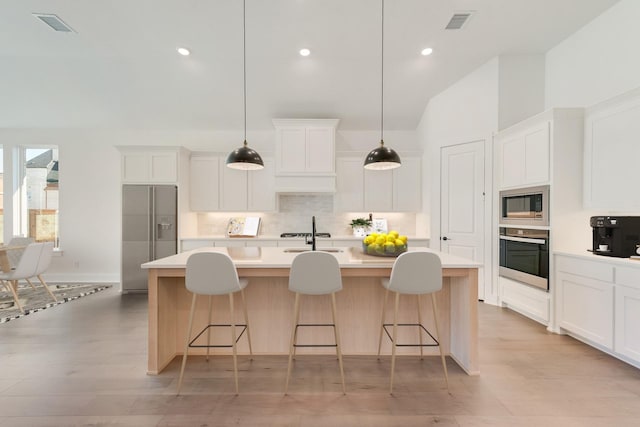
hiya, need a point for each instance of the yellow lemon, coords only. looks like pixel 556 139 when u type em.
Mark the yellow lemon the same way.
pixel 403 238
pixel 389 248
pixel 399 242
pixel 390 238
pixel 394 233
pixel 380 240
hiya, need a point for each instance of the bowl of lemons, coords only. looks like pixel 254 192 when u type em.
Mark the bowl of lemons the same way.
pixel 389 244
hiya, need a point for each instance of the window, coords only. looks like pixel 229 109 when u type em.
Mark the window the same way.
pixel 39 215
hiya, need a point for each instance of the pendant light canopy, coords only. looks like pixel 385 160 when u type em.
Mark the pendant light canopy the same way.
pixel 244 158
pixel 382 158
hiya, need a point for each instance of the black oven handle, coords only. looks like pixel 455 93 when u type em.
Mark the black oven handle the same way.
pixel 524 240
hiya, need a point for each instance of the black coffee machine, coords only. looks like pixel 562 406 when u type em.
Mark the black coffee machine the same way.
pixel 616 236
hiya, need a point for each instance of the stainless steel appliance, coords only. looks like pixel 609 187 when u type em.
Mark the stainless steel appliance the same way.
pixel 524 256
pixel 616 236
pixel 149 216
pixel 525 206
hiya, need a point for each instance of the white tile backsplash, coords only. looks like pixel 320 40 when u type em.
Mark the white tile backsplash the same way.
pixel 295 212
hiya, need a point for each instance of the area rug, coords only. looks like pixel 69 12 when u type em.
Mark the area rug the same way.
pixel 34 300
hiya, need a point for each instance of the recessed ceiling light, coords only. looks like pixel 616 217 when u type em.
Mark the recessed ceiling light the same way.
pixel 305 52
pixel 426 51
pixel 183 51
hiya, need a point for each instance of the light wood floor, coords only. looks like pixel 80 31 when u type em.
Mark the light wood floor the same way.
pixel 83 363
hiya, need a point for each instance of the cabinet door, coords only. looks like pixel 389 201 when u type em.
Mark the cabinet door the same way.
pixel 407 188
pixel 319 147
pixel 512 162
pixel 586 308
pixel 378 190
pixel 233 188
pixel 349 195
pixel 536 154
pixel 291 150
pixel 204 184
pixel 627 319
pixel 262 184
pixel 135 168
pixel 163 167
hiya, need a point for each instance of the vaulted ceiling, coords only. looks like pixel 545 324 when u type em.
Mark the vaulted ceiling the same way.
pixel 120 69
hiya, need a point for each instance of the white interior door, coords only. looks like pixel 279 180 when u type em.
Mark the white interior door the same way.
pixel 462 203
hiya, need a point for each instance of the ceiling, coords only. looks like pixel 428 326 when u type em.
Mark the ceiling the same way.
pixel 120 68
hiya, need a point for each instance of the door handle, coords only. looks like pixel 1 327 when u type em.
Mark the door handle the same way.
pixel 446 238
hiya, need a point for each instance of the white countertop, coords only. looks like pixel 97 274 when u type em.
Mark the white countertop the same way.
pixel 277 237
pixel 276 257
pixel 600 258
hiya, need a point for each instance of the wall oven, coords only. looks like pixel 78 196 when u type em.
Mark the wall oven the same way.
pixel 525 206
pixel 524 256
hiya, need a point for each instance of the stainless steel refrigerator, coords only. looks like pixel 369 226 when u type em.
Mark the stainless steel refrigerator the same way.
pixel 149 217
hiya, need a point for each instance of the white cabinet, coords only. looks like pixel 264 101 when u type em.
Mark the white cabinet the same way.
pixel 305 147
pixel 261 188
pixel 524 157
pixel 611 153
pixel 204 183
pixel 599 301
pixel 397 190
pixel 627 321
pixel 407 188
pixel 349 195
pixel 233 188
pixel 215 187
pixel 305 155
pixel 149 166
pixel 586 307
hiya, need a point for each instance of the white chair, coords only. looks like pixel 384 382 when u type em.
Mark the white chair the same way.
pixel 213 273
pixel 26 268
pixel 15 254
pixel 414 273
pixel 43 265
pixel 314 273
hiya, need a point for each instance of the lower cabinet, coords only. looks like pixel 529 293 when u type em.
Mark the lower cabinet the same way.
pixel 586 307
pixel 598 301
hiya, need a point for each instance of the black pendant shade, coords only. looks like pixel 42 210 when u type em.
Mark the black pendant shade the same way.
pixel 245 158
pixel 382 158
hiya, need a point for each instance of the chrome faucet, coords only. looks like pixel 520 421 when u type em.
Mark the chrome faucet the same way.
pixel 313 234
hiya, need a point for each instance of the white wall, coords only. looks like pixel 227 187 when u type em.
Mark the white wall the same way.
pixel 465 112
pixel 521 83
pixel 597 62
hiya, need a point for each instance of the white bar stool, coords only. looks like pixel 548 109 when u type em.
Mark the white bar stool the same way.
pixel 213 273
pixel 314 273
pixel 414 273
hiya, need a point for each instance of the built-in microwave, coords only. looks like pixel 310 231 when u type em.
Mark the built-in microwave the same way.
pixel 525 206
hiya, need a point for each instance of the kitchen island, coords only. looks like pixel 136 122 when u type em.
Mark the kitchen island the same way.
pixel 270 306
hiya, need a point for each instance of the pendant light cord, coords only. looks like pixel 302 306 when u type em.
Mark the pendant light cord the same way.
pixel 244 65
pixel 382 78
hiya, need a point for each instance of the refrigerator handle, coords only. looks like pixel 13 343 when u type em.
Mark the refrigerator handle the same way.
pixel 151 218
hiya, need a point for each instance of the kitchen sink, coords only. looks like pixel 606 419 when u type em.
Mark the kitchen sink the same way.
pixel 300 250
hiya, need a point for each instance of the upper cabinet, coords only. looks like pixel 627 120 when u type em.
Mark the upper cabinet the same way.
pixel 611 153
pixel 149 165
pixel 305 155
pixel 524 156
pixel 397 190
pixel 215 187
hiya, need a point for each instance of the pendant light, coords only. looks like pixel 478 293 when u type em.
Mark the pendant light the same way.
pixel 382 158
pixel 244 158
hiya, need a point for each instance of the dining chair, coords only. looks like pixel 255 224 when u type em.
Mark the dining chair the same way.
pixel 43 265
pixel 414 273
pixel 314 273
pixel 26 268
pixel 18 244
pixel 213 273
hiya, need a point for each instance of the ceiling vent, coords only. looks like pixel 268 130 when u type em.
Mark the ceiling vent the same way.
pixel 54 22
pixel 458 20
